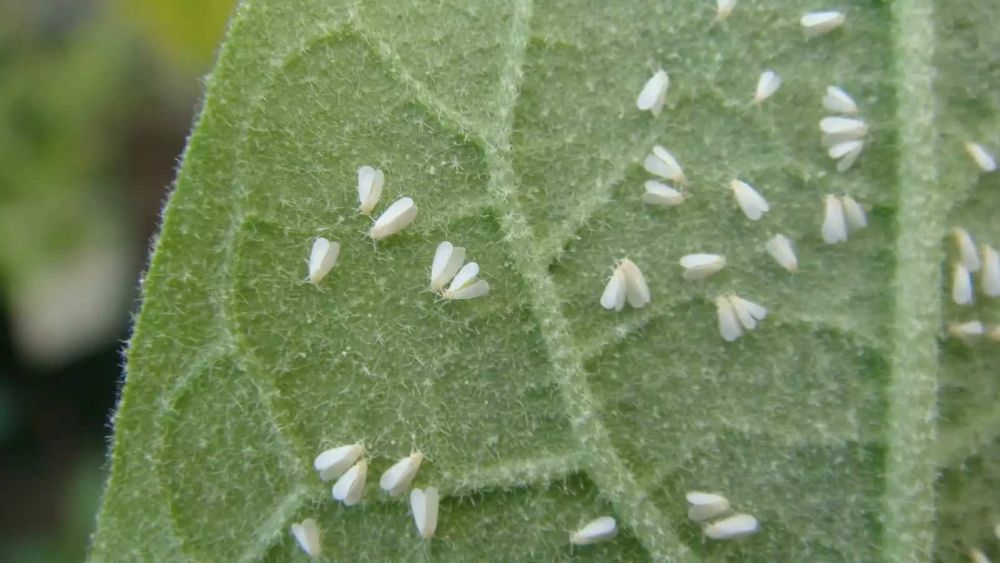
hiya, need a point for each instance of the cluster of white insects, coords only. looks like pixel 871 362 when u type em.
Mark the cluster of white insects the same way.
pixel 704 507
pixel 843 135
pixel 711 510
pixel 448 262
pixel 453 279
pixel 347 465
pixel 985 262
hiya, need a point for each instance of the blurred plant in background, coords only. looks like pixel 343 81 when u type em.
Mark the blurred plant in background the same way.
pixel 95 101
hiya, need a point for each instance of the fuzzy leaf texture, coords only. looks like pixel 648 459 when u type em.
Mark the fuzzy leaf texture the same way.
pixel 848 423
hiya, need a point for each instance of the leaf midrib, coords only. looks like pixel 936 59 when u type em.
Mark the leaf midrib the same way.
pixel 909 503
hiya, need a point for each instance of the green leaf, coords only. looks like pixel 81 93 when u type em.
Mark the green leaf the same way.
pixel 848 423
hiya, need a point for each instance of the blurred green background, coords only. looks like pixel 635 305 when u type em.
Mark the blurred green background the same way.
pixel 96 98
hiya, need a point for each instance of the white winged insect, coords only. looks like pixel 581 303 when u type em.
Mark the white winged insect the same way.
pixel 654 93
pixel 307 535
pixel 818 23
pixel 322 259
pixel 397 217
pixel 706 505
pixel 701 266
pixel 597 530
pixel 753 204
pixel 334 462
pixel 370 183
pixel 424 504
pixel 448 260
pixel 351 485
pixel 663 164
pixel 396 480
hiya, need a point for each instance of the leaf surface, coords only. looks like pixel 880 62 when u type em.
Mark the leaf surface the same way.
pixel 847 422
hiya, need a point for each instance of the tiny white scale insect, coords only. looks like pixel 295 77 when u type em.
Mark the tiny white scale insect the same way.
pixel 846 153
pixel 465 285
pixel 818 23
pixel 636 290
pixel 322 259
pixel 753 204
pixel 839 101
pixel 767 85
pixel 424 504
pixel 977 556
pixel 780 248
pixel 966 330
pixel 334 462
pixel 307 534
pixel 351 485
pixel 662 163
pixel 854 214
pixel 834 228
pixel 370 183
pixel 396 480
pixel 989 276
pixel 654 93
pixel 729 326
pixel 980 156
pixel 597 530
pixel 658 193
pixel 448 260
pixel 734 526
pixel 723 8
pixel 961 285
pixel 966 249
pixel 700 266
pixel 843 128
pixel 747 312
pixel 706 505
pixel 613 296
pixel 397 217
